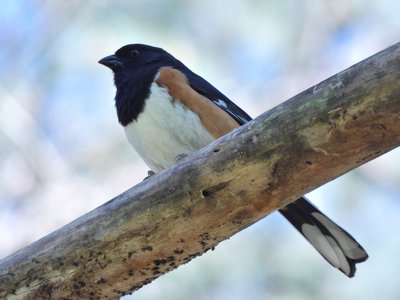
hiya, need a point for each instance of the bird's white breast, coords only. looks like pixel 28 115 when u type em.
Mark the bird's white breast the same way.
pixel 165 129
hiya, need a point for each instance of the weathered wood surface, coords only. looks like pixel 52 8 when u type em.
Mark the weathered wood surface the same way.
pixel 182 212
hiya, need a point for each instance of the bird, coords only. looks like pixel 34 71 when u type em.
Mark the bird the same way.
pixel 169 112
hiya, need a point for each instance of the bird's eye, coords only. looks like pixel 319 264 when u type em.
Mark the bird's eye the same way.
pixel 135 53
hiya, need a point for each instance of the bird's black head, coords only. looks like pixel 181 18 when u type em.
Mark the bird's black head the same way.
pixel 135 67
pixel 135 57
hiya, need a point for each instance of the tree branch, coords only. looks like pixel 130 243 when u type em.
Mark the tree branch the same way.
pixel 186 210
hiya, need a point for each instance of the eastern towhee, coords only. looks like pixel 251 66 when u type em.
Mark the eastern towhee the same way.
pixel 168 112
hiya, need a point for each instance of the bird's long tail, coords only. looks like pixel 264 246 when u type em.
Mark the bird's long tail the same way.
pixel 335 244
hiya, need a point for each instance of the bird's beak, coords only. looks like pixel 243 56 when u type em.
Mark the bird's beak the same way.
pixel 111 61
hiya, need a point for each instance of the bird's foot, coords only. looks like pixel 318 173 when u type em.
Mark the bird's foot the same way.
pixel 149 174
pixel 179 157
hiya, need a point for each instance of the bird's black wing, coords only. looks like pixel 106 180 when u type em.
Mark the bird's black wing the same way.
pixel 206 89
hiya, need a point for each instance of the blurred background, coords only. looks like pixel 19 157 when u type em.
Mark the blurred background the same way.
pixel 63 153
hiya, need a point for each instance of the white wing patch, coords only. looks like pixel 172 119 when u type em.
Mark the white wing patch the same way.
pixel 221 103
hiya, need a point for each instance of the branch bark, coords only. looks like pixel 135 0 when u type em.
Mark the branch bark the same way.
pixel 182 212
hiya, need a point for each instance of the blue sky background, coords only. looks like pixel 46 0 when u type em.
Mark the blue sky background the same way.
pixel 63 153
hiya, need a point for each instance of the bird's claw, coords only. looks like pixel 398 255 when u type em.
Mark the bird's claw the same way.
pixel 179 157
pixel 149 174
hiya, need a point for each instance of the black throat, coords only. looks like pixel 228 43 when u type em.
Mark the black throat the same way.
pixel 132 91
